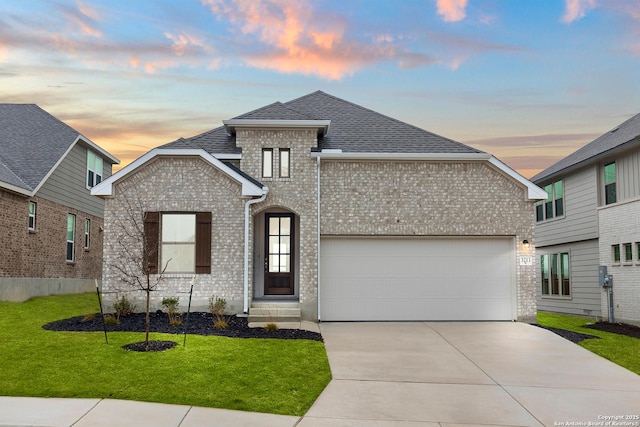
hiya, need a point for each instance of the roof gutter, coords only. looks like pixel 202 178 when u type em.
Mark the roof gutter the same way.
pixel 533 191
pixel 340 155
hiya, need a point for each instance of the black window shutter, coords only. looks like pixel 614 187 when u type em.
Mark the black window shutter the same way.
pixel 203 242
pixel 151 236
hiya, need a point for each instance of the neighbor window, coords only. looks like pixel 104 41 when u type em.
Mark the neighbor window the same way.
pixel 610 183
pixel 285 160
pixel 638 251
pixel 553 206
pixel 94 169
pixel 267 162
pixel 555 274
pixel 628 252
pixel 87 232
pixel 615 250
pixel 177 242
pixel 32 215
pixel 71 234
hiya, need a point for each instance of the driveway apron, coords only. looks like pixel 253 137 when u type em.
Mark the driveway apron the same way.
pixel 485 373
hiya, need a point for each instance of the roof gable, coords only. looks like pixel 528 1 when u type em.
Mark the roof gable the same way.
pixel 354 129
pixel 33 143
pixel 615 138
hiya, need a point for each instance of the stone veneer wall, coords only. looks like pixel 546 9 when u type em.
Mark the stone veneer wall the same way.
pixel 297 194
pixel 33 263
pixel 181 184
pixel 620 224
pixel 411 198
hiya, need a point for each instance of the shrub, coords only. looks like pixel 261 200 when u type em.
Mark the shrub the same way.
pixel 271 327
pixel 110 319
pixel 171 305
pixel 220 324
pixel 88 317
pixel 217 307
pixel 123 306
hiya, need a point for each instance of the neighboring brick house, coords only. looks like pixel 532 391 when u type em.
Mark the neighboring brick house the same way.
pixel 591 218
pixel 341 211
pixel 50 224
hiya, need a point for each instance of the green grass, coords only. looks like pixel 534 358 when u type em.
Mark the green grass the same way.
pixel 260 375
pixel 620 349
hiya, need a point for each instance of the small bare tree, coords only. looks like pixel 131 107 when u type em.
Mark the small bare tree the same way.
pixel 134 242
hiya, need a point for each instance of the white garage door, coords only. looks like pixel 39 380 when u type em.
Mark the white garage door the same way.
pixel 417 279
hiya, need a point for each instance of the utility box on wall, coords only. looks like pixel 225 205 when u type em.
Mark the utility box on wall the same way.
pixel 605 280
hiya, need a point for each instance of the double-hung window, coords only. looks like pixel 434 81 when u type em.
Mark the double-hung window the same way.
pixel 628 252
pixel 610 195
pixel 94 169
pixel 71 235
pixel 177 242
pixel 32 215
pixel 553 206
pixel 555 274
pixel 87 233
pixel 178 245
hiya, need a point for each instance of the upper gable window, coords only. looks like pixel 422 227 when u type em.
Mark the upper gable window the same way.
pixel 267 162
pixel 553 206
pixel 94 169
pixel 610 195
pixel 285 162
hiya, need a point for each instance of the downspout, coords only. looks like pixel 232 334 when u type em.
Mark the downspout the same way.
pixel 247 210
pixel 318 243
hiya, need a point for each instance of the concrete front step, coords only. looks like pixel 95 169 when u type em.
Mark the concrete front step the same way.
pixel 274 313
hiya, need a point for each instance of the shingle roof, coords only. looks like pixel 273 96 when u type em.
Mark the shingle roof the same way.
pixel 618 136
pixel 31 143
pixel 353 129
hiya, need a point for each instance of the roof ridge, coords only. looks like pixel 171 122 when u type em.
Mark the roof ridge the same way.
pixel 319 92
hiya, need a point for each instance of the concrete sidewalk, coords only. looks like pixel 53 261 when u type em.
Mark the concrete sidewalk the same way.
pixel 42 412
pixel 406 374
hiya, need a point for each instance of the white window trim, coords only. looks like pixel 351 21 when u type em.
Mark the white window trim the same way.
pixel 92 168
pixel 72 241
pixel 35 210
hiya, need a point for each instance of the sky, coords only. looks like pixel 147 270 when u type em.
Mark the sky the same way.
pixel 528 81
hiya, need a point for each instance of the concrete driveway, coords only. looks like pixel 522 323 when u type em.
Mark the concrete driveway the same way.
pixel 493 373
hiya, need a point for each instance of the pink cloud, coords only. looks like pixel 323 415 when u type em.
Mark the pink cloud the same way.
pixel 577 9
pixel 452 10
pixel 294 41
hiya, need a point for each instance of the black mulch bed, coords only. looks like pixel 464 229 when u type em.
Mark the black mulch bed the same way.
pixel 616 328
pixel 200 323
pixel 574 337
pixel 152 346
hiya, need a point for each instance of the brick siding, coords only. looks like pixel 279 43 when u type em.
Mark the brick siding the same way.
pixel 42 253
pixel 620 224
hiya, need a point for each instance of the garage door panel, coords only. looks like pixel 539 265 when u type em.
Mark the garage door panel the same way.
pixel 417 279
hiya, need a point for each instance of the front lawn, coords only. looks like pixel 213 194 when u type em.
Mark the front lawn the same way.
pixel 261 375
pixel 620 349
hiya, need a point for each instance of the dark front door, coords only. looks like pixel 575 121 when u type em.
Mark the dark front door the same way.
pixel 278 263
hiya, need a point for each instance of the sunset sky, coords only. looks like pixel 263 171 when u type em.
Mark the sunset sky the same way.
pixel 527 80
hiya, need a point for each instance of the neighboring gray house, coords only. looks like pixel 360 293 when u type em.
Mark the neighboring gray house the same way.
pixel 339 211
pixel 591 217
pixel 50 238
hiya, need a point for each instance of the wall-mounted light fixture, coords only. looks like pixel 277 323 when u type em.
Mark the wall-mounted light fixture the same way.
pixel 525 243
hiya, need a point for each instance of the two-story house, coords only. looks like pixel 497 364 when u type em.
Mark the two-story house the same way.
pixel 50 224
pixel 591 218
pixel 340 211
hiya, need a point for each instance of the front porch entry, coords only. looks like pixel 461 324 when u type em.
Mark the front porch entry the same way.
pixel 276 256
